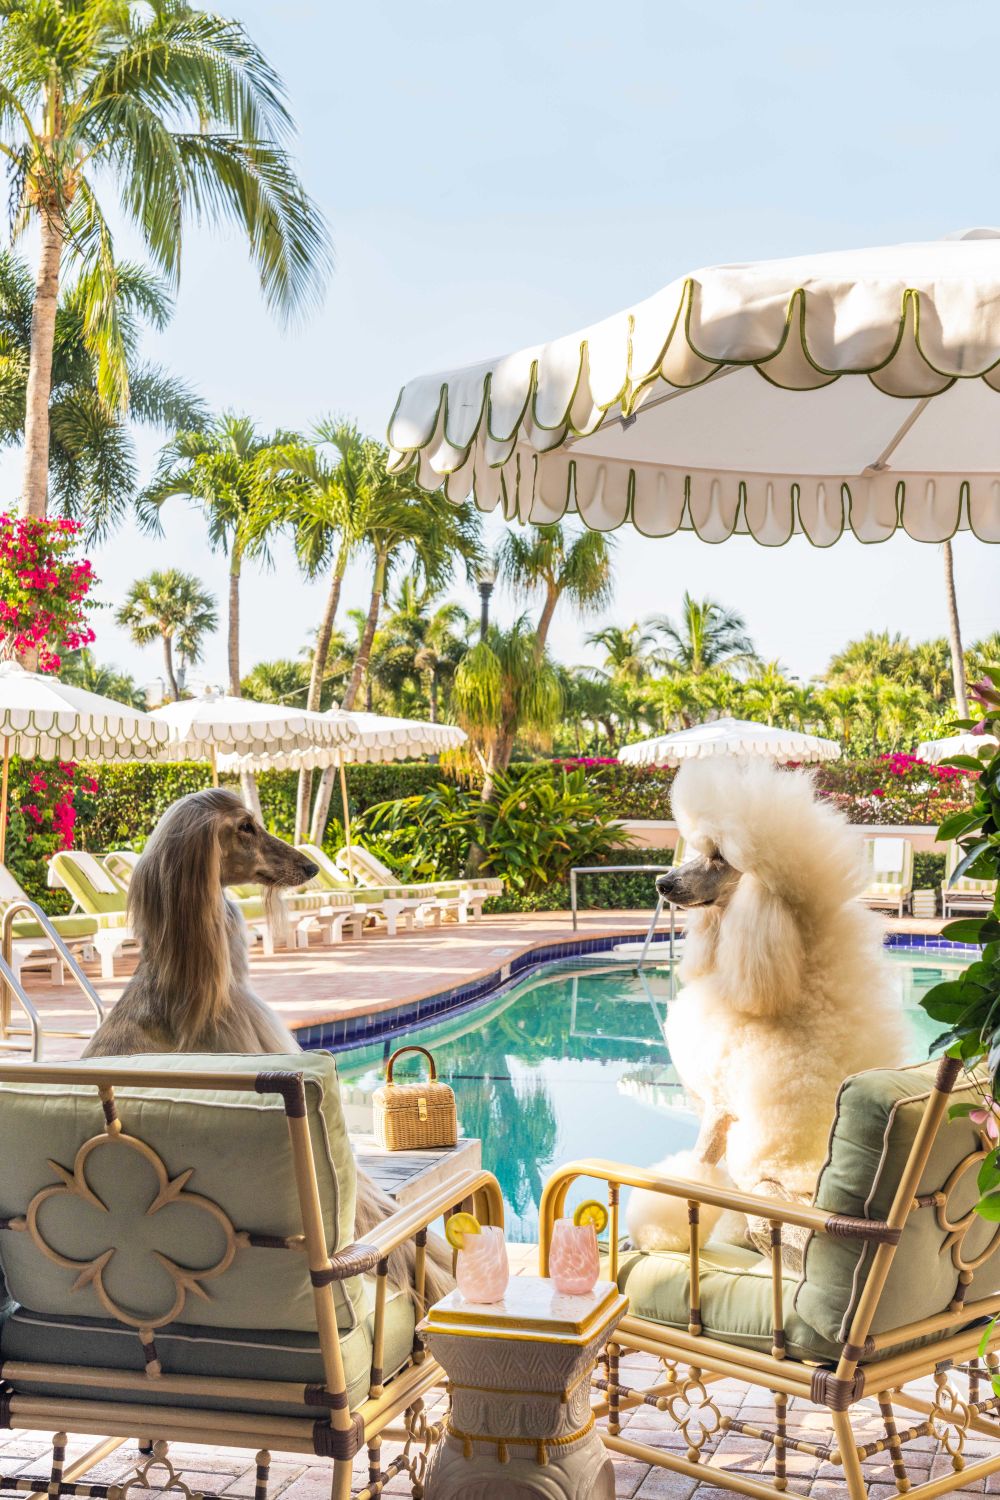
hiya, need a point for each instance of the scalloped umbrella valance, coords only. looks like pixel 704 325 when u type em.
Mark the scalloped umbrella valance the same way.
pixel 856 390
pixel 729 737
pixel 214 724
pixel 373 739
pixel 42 718
pixel 936 751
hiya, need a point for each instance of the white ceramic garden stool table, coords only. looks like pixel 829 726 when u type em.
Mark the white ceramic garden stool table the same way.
pixel 521 1426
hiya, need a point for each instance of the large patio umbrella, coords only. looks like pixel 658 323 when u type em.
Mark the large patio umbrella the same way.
pixel 42 718
pixel 877 409
pixel 213 725
pixel 371 739
pixel 729 737
pixel 955 744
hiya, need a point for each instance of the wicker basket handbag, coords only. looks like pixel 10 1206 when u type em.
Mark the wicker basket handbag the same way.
pixel 414 1116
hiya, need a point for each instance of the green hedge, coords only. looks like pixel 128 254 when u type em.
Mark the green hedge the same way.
pixel 928 871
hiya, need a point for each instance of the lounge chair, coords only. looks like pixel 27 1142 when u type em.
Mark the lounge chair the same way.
pixel 461 895
pixel 395 902
pixel 221 1300
pixel 303 911
pixel 964 894
pixel 120 863
pixel 899 1281
pixel 890 867
pixel 31 949
pixel 97 894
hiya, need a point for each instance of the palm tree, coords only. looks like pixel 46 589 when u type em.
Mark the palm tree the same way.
pixel 417 647
pixel 502 689
pixel 82 669
pixel 876 654
pixel 279 681
pixel 448 637
pixel 954 634
pixel 175 113
pixel 626 650
pixel 173 607
pixel 768 694
pixel 840 706
pixel 931 668
pixel 983 654
pixel 547 560
pixel 227 469
pixel 396 519
pixel 93 472
pixel 707 635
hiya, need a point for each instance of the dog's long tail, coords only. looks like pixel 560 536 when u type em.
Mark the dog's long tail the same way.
pixel 373 1207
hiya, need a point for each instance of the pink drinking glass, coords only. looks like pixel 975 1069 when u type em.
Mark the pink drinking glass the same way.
pixel 574 1264
pixel 482 1269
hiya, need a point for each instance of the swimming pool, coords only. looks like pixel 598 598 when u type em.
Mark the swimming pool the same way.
pixel 571 1062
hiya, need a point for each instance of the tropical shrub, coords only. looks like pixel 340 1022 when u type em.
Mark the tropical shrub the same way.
pixel 536 827
pixel 896 788
pixel 43 586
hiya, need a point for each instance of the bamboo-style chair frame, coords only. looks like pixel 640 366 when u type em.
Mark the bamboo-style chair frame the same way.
pixel 394 1407
pixel 691 1361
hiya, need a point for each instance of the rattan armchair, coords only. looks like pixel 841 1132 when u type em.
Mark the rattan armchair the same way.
pixel 899 1282
pixel 176 1242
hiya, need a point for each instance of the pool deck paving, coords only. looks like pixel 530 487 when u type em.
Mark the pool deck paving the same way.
pixel 375 973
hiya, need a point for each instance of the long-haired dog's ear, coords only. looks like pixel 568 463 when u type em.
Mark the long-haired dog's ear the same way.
pixel 177 910
pixel 760 955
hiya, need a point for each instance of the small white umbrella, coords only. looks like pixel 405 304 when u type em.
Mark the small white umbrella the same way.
pixel 372 739
pixel 213 724
pixel 729 737
pixel 42 718
pixel 955 744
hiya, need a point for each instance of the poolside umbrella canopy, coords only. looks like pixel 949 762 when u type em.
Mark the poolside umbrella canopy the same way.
pixel 205 727
pixel 878 408
pixel 371 739
pixel 729 737
pixel 956 744
pixel 42 718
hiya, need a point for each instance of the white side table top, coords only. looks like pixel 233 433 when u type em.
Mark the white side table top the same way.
pixel 531 1310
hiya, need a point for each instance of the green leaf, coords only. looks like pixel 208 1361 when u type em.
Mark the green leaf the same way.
pixel 971 930
pixel 989 1208
pixel 958 823
pixel 960 1111
pixel 988 1331
pixel 963 762
pixel 988 1179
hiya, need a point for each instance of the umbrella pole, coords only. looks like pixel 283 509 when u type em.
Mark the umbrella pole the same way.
pixel 3 798
pixel 343 798
pixel 215 767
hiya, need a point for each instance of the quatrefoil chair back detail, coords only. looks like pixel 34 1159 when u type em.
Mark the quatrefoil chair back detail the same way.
pixel 898 1282
pixel 176 1241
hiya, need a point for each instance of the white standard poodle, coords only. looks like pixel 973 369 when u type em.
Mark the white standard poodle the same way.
pixel 785 990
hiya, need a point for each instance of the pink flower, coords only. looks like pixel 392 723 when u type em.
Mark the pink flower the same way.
pixel 878 791
pixel 988 1118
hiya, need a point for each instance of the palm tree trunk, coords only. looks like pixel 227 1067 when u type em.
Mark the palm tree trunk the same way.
pixel 545 620
pixel 955 635
pixel 34 490
pixel 314 697
pixel 321 806
pixel 432 695
pixel 168 661
pixel 233 644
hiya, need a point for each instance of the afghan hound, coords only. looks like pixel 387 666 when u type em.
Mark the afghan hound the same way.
pixel 785 989
pixel 191 989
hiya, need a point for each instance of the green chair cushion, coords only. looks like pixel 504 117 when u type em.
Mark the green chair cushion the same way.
pixel 190 1349
pixel 84 892
pixel 735 1298
pixel 77 926
pixel 877 1116
pixel 236 1146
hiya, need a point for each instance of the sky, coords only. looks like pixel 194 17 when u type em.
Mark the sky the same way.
pixel 498 175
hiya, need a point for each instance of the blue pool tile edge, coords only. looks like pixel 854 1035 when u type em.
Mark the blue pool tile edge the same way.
pixel 357 1031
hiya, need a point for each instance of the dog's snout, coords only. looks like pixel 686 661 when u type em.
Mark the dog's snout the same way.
pixel 309 869
pixel 665 883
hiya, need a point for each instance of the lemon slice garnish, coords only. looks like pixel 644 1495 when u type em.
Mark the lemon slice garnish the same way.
pixel 591 1212
pixel 459 1225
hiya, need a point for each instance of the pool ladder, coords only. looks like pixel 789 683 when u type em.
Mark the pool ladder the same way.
pixel 11 988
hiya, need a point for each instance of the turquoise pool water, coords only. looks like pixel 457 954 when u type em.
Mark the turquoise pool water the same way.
pixel 571 1062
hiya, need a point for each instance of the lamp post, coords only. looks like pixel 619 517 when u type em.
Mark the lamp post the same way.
pixel 487 578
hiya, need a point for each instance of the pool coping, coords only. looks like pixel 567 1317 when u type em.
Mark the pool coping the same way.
pixel 345 1033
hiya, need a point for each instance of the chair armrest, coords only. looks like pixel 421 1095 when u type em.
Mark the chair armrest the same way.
pixel 411 1218
pixel 775 1210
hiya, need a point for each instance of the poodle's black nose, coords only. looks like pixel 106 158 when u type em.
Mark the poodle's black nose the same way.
pixel 310 869
pixel 665 884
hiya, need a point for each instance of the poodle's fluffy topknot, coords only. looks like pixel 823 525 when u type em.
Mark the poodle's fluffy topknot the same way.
pixel 767 822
